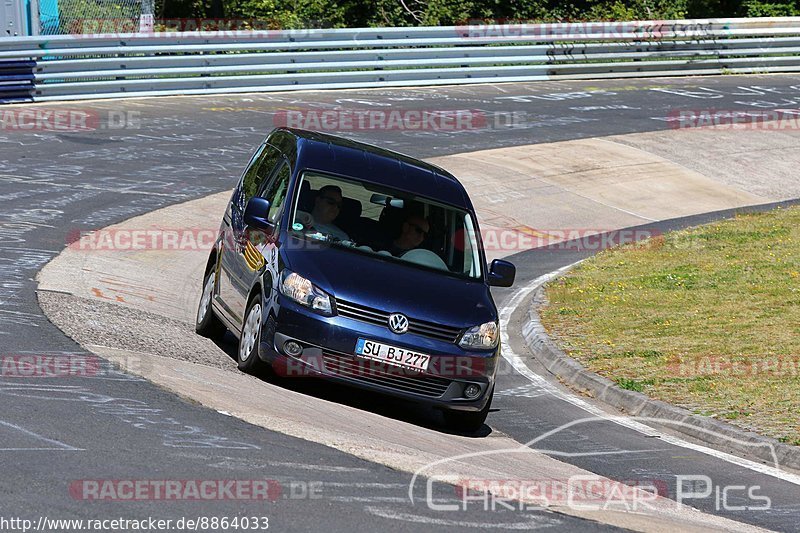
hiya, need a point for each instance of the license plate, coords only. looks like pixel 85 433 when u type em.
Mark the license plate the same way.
pixel 392 355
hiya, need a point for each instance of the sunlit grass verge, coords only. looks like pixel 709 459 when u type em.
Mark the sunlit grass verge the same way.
pixel 706 318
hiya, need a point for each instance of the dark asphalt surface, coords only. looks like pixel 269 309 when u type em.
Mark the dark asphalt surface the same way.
pixel 55 431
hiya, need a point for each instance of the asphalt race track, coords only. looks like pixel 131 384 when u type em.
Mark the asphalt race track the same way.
pixel 56 433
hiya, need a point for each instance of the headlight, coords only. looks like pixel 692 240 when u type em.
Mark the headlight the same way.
pixel 304 292
pixel 485 336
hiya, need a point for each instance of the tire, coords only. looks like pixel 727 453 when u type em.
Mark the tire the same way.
pixel 247 352
pixel 468 421
pixel 207 323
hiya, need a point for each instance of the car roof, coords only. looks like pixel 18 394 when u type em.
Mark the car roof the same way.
pixel 346 157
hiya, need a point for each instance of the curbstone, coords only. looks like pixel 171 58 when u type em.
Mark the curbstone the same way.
pixel 714 433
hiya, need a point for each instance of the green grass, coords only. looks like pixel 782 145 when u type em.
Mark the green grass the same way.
pixel 707 318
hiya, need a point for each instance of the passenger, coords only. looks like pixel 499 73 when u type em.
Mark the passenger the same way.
pixel 327 206
pixel 413 231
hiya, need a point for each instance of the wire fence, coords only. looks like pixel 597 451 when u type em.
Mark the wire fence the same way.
pixel 71 17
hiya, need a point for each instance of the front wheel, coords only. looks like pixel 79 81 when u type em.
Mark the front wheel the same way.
pixel 468 421
pixel 207 322
pixel 247 354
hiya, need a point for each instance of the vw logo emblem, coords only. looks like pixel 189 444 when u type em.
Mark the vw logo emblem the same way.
pixel 398 323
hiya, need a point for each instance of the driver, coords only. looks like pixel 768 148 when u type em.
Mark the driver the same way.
pixel 327 206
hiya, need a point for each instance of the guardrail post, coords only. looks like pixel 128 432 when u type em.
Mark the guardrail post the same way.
pixel 33 17
pixel 147 17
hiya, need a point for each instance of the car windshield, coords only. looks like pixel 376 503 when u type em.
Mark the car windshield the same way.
pixel 391 224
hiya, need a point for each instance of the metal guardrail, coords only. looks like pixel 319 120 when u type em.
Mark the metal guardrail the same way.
pixel 72 67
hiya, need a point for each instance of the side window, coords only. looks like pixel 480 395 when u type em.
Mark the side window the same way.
pixel 276 192
pixel 260 169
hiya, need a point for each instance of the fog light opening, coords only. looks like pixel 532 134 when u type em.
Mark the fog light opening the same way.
pixel 472 391
pixel 292 348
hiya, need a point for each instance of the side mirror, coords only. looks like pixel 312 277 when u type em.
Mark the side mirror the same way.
pixel 256 213
pixel 502 273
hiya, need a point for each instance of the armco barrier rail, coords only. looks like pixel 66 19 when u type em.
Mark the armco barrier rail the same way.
pixel 71 67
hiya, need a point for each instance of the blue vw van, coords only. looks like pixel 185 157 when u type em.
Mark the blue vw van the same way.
pixel 342 260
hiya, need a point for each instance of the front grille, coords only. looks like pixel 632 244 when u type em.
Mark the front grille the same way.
pixel 381 318
pixel 377 373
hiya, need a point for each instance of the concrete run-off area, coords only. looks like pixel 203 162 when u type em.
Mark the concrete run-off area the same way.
pixel 129 294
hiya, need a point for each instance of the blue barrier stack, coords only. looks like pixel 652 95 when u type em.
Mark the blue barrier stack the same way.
pixel 16 81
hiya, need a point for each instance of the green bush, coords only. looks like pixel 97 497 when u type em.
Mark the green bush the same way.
pixel 365 13
pixel 761 8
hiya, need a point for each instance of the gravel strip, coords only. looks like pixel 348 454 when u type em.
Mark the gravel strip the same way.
pixel 96 322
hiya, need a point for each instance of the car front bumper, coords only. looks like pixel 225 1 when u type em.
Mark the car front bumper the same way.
pixel 328 351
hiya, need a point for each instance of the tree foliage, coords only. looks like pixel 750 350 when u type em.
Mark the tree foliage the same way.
pixel 364 13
